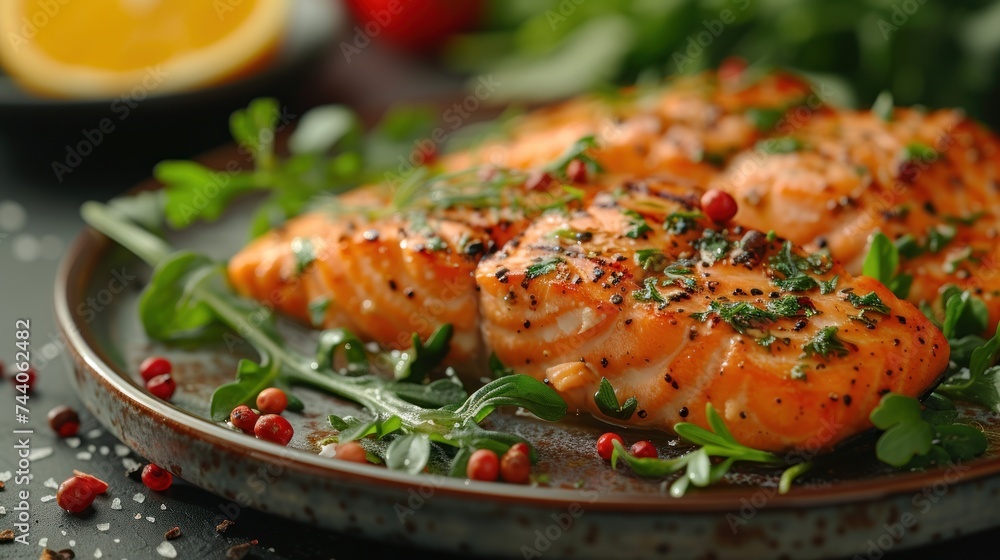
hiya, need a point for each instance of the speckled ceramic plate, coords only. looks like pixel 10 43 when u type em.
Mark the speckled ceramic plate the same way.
pixel 579 508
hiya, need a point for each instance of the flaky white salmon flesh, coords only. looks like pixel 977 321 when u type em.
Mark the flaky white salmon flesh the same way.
pixel 575 250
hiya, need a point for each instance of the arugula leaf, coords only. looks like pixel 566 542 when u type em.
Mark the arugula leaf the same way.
pixel 251 379
pixel 497 367
pixel 409 453
pixel 607 402
pixel 167 308
pixel 882 264
pixel 542 267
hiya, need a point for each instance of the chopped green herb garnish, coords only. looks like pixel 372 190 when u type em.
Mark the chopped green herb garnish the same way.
pixel 680 273
pixel 795 269
pixel 828 286
pixel 918 151
pixel 317 310
pixel 764 119
pixel 799 372
pixel 650 259
pixel 607 402
pixel 908 246
pixel 740 315
pixel 543 267
pixel 784 145
pixel 650 293
pixel 868 302
pixel 713 245
pixel 789 306
pixel 435 243
pixel 965 220
pixel 579 150
pixel 681 222
pixel 825 343
pixel 939 236
pixel 637 225
pixel 305 254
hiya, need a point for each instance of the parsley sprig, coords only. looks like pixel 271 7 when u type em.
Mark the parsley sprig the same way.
pixel 918 437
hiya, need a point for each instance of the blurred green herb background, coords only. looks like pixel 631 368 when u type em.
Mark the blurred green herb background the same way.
pixel 935 53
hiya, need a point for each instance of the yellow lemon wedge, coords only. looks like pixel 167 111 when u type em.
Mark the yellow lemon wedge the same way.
pixel 101 48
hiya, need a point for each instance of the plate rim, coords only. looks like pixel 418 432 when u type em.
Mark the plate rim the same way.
pixel 90 247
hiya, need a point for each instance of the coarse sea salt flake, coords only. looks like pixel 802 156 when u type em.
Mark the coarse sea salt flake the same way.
pixel 139 498
pixel 116 503
pixel 103 526
pixel 51 483
pixel 73 442
pixel 166 550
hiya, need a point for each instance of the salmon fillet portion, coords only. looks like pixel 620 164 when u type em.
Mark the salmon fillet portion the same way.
pixel 386 272
pixel 640 289
pixel 927 180
pixel 684 128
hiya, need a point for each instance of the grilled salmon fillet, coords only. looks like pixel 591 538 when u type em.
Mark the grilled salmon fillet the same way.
pixel 789 347
pixel 682 129
pixel 385 272
pixel 928 180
